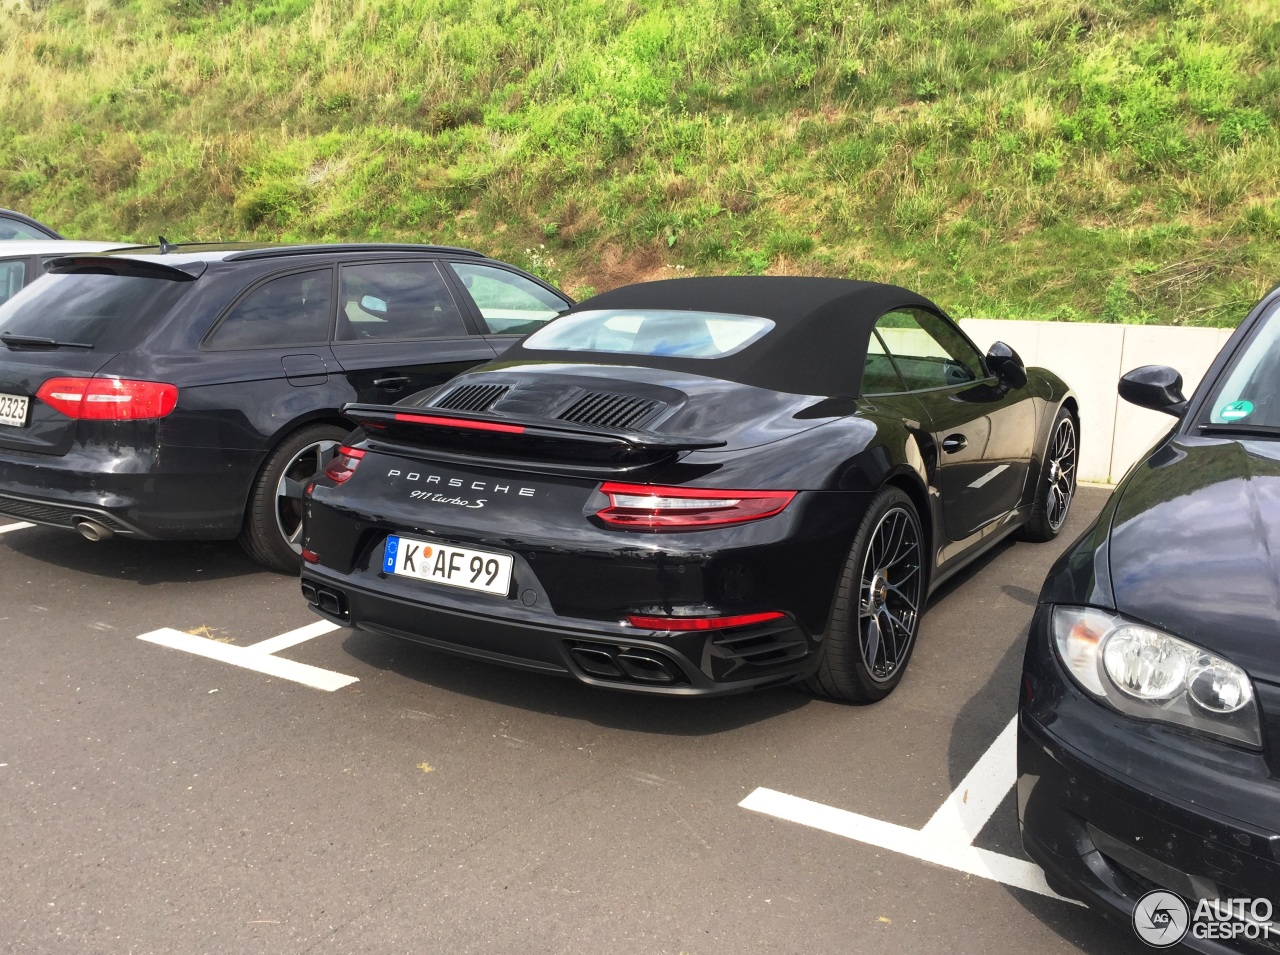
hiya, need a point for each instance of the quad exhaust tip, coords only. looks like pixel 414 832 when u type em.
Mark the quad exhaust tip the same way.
pixel 93 531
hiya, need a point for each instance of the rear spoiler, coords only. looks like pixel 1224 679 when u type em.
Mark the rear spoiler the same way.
pixel 121 265
pixel 520 438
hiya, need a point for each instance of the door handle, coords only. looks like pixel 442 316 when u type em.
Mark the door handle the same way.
pixel 954 442
pixel 391 383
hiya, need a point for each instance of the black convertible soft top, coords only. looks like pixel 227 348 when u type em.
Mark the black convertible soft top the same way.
pixel 817 347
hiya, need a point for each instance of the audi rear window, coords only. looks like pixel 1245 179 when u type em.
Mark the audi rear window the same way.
pixel 92 307
pixel 682 334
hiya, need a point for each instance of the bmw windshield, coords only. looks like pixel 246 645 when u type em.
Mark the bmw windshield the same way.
pixel 1248 398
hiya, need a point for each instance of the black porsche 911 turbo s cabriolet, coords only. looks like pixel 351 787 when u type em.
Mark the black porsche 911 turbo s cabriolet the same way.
pixel 1149 727
pixel 694 486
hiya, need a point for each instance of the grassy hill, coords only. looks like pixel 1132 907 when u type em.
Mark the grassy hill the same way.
pixel 1099 160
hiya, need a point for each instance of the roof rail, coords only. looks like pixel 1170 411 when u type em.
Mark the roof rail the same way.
pixel 274 251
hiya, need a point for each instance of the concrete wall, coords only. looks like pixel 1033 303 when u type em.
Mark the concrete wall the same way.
pixel 1091 358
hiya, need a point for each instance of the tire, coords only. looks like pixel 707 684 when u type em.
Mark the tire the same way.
pixel 855 664
pixel 1057 485
pixel 271 534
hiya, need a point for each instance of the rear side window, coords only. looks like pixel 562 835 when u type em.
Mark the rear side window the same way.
pixel 289 310
pixel 510 304
pixel 396 301
pixel 92 307
pixel 11 276
pixel 682 334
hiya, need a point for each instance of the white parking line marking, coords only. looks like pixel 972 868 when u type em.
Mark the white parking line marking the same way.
pixel 252 658
pixel 947 838
pixel 20 526
pixel 989 475
pixel 294 637
pixel 980 793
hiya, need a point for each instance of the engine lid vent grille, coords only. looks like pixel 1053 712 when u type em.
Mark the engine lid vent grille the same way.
pixel 472 397
pixel 609 411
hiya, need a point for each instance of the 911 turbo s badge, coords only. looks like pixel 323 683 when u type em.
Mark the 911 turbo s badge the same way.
pixel 445 499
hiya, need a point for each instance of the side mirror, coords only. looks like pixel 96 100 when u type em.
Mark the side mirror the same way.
pixel 1157 387
pixel 371 303
pixel 1006 365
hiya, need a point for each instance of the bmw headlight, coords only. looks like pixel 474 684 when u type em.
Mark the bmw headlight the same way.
pixel 1148 674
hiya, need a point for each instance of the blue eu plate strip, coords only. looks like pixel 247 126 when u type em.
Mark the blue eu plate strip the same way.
pixel 389 560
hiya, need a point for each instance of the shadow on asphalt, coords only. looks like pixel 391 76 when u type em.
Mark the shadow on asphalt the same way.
pixel 565 697
pixel 139 562
pixel 976 724
pixel 1088 931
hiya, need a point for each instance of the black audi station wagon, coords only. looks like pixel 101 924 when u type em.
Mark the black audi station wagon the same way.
pixel 186 392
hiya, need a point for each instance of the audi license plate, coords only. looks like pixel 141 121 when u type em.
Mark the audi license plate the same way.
pixel 13 410
pixel 481 570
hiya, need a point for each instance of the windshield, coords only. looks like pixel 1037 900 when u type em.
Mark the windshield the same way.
pixel 1250 391
pixel 91 308
pixel 683 334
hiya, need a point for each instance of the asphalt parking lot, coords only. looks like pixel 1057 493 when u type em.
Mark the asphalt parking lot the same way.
pixel 180 793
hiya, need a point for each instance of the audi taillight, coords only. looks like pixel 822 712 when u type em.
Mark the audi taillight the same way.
pixel 648 507
pixel 109 399
pixel 343 465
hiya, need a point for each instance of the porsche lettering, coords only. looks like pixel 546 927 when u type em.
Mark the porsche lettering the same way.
pixel 491 487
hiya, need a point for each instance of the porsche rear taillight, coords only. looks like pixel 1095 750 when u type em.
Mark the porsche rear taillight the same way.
pixel 649 507
pixel 344 464
pixel 109 399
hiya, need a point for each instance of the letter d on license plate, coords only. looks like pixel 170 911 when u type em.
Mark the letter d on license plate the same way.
pixel 447 564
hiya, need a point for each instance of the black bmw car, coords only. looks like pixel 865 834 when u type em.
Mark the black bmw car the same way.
pixel 694 486
pixel 186 393
pixel 1149 730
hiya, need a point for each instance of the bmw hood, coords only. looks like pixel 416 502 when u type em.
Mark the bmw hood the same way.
pixel 1195 547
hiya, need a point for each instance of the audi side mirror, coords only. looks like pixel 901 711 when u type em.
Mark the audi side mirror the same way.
pixel 1006 365
pixel 1157 387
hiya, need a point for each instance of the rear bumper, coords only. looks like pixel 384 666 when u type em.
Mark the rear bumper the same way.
pixel 144 492
pixel 598 653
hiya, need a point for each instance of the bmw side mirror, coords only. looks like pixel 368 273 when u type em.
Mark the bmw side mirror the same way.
pixel 1157 387
pixel 371 303
pixel 1006 365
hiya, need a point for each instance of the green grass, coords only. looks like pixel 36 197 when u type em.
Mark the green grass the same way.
pixel 1092 160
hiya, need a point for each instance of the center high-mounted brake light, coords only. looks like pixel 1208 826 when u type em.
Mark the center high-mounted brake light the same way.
pixel 647 507
pixel 109 399
pixel 463 423
pixel 344 464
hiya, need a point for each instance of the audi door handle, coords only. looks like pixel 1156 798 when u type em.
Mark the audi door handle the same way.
pixel 954 442
pixel 393 383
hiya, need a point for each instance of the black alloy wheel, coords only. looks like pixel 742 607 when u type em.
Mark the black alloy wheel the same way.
pixel 1057 487
pixel 878 605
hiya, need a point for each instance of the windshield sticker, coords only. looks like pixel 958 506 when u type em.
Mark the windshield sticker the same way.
pixel 1236 410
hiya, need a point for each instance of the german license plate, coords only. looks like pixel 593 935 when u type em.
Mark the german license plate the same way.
pixel 13 410
pixel 482 570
